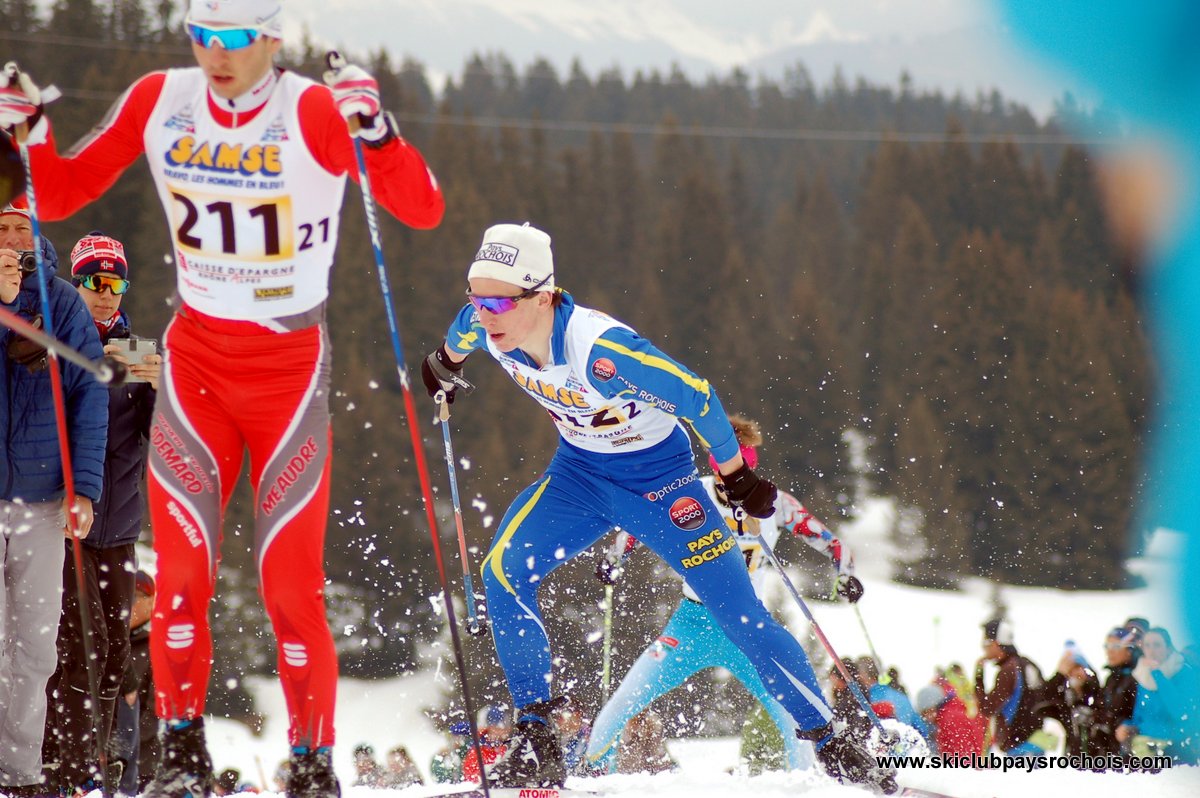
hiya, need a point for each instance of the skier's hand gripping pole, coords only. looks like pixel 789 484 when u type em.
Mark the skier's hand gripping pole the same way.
pixel 21 106
pixel 356 94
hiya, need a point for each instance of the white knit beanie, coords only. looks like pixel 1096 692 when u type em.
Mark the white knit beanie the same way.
pixel 515 253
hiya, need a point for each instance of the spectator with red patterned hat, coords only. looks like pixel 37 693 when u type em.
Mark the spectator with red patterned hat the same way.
pixel 73 740
pixel 33 501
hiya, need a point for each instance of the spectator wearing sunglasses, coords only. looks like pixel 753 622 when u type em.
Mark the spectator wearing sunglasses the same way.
pixel 72 746
pixel 624 459
pixel 33 502
pixel 250 162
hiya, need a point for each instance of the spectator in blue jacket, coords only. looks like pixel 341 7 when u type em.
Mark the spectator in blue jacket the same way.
pixel 867 671
pixel 72 746
pixel 32 493
pixel 1166 718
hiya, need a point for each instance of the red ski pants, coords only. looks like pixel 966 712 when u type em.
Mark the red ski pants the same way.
pixel 228 387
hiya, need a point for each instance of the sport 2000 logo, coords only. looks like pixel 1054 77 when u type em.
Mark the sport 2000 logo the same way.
pixel 687 513
pixel 604 369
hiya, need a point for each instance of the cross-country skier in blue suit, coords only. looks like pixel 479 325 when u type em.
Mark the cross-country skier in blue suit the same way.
pixel 624 459
pixel 691 642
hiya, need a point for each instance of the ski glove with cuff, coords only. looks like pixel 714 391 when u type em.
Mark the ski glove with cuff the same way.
pixel 356 94
pixel 20 98
pixel 440 373
pixel 849 587
pixel 751 492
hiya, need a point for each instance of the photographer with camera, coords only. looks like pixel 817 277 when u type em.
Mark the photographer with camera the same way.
pixel 100 273
pixel 32 505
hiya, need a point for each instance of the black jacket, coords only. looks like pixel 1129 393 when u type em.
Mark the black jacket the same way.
pixel 1115 706
pixel 130 407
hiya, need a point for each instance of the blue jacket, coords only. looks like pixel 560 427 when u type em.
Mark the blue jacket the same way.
pixel 31 468
pixel 130 408
pixel 1171 712
pixel 902 708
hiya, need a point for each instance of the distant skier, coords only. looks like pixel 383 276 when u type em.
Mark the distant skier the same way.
pixel 692 641
pixel 624 460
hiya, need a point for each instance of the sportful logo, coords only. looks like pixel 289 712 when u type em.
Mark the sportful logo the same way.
pixel 295 654
pixel 181 634
pixel 498 253
pixel 687 513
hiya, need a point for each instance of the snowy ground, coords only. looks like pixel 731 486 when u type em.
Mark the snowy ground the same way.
pixel 912 628
pixel 387 713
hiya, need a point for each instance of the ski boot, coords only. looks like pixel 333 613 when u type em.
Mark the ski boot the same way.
pixel 311 774
pixel 847 761
pixel 185 768
pixel 534 757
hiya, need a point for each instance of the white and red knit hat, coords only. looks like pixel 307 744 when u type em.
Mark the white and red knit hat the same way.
pixel 18 206
pixel 101 254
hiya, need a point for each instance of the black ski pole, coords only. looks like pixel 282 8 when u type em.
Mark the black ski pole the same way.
pixel 335 61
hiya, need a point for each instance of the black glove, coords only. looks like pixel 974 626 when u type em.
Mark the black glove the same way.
pixel 849 587
pixel 440 373
pixel 27 353
pixel 751 492
pixel 608 571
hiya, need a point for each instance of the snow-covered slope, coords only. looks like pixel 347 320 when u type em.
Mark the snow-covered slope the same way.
pixel 912 628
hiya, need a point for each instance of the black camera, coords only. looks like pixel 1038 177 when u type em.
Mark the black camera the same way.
pixel 28 261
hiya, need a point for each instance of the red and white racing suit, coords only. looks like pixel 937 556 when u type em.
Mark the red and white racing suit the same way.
pixel 252 189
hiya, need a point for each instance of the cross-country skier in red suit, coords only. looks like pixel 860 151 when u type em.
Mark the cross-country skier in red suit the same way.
pixel 250 162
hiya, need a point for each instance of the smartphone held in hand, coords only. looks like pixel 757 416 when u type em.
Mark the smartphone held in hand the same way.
pixel 134 349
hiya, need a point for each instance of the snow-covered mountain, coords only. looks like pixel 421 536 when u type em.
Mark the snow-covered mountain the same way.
pixel 951 45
